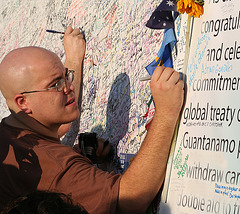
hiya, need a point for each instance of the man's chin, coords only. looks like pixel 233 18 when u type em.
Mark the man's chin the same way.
pixel 70 116
pixel 75 115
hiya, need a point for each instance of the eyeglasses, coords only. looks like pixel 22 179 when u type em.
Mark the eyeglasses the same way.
pixel 60 85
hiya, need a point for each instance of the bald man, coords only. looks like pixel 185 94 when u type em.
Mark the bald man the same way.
pixel 40 94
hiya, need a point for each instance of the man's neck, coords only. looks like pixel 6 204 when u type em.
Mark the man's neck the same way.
pixel 23 121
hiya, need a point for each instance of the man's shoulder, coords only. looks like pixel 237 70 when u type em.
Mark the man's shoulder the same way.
pixel 60 155
pixel 49 150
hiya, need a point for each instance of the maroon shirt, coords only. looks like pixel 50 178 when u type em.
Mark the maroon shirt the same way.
pixel 30 161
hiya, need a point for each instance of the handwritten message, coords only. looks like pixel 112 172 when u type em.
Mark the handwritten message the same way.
pixel 205 174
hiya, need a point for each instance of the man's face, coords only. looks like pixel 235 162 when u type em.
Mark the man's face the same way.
pixel 51 107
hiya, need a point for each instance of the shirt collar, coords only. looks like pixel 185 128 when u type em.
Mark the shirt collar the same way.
pixel 22 120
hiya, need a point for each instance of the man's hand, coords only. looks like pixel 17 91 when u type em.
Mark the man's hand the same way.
pixel 167 92
pixel 75 46
pixel 103 150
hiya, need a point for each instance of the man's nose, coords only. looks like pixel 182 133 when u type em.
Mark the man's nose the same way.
pixel 68 87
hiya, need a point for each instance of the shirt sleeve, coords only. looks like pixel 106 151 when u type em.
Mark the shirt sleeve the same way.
pixel 96 190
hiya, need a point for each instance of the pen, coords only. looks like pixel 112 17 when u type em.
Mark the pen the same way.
pixel 54 31
pixel 145 78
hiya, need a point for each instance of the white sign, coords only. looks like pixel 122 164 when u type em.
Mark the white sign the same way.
pixel 205 171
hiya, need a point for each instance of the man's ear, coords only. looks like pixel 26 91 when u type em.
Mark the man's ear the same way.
pixel 22 104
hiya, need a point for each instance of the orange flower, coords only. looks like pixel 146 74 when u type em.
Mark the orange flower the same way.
pixel 190 7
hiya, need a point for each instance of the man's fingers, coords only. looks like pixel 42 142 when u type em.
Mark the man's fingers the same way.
pixel 106 150
pixel 103 148
pixel 157 73
pixel 180 84
pixel 174 78
pixel 81 36
pixel 69 30
pixel 76 32
pixel 99 146
pixel 167 73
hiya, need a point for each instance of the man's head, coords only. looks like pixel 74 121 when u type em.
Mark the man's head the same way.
pixel 32 69
pixel 40 202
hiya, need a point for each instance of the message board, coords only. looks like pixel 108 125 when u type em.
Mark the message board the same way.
pixel 205 171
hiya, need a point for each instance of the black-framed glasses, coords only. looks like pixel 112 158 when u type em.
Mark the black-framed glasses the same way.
pixel 58 86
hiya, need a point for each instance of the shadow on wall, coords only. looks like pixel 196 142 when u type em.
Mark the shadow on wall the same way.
pixel 119 104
